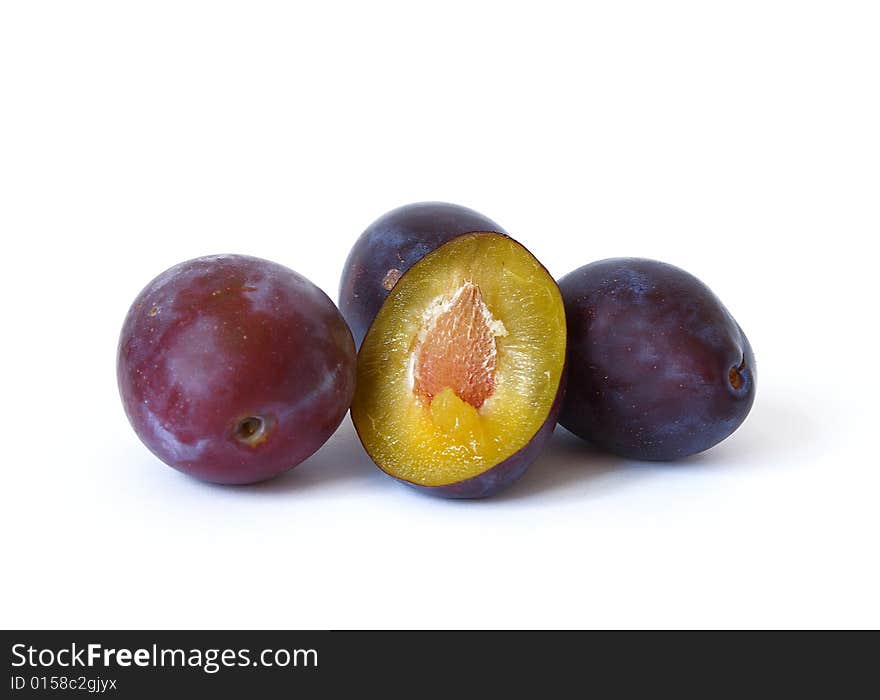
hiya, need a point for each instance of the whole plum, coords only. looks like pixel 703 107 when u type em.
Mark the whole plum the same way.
pixel 657 367
pixel 390 246
pixel 234 369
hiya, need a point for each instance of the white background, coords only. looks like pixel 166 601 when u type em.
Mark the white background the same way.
pixel 740 141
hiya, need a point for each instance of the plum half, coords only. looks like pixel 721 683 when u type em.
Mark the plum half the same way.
pixel 234 369
pixel 387 249
pixel 459 377
pixel 657 367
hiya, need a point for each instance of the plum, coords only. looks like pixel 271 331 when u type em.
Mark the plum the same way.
pixel 388 248
pixel 234 369
pixel 459 378
pixel 657 367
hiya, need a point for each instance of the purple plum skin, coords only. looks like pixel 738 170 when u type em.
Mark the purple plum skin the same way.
pixel 390 246
pixel 217 340
pixel 653 357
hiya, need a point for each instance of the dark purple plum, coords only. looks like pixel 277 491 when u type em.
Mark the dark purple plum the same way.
pixel 657 367
pixel 234 369
pixel 390 246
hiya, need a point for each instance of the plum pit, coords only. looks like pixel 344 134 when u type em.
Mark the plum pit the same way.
pixel 456 349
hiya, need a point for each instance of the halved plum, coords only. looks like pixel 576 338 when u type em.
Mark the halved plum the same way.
pixel 459 377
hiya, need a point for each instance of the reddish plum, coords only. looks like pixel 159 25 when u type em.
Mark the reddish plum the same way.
pixel 234 369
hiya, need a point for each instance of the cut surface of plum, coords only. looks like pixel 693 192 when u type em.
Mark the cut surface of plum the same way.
pixel 461 370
